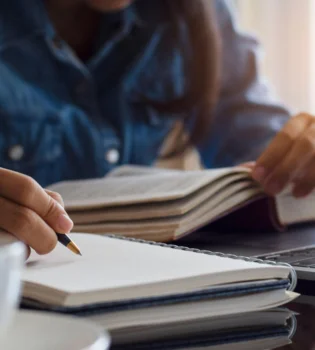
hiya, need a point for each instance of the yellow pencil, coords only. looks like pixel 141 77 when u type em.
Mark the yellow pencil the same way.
pixel 66 241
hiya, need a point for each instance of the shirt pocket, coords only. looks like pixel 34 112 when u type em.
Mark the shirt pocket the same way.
pixel 31 146
pixel 150 128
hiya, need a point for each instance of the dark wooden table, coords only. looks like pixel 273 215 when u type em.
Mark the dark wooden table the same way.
pixel 304 338
pixel 248 243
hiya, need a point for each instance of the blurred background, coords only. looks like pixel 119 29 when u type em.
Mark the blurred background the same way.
pixel 286 29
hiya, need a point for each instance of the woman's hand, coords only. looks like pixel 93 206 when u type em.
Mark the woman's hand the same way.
pixel 30 213
pixel 290 158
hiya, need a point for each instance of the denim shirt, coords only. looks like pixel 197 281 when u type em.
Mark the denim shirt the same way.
pixel 64 119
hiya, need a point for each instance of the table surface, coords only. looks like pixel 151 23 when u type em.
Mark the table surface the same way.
pixel 304 337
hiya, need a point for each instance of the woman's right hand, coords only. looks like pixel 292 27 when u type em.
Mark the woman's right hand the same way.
pixel 30 213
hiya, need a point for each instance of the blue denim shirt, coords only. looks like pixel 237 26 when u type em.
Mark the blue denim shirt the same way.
pixel 64 119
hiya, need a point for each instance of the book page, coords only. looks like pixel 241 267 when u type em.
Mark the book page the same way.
pixel 157 209
pixel 134 170
pixel 156 229
pixel 293 210
pixel 111 191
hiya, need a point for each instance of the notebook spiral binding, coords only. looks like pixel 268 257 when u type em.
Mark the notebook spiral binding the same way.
pixel 292 322
pixel 293 275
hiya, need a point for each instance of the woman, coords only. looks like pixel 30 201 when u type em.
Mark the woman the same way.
pixel 87 85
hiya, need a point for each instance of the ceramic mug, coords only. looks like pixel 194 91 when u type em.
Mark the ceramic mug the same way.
pixel 12 258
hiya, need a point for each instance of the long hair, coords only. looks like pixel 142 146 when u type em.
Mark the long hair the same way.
pixel 203 71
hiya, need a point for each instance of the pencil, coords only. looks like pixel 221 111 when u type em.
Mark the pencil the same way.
pixel 66 241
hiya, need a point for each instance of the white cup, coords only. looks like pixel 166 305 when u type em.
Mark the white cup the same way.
pixel 12 258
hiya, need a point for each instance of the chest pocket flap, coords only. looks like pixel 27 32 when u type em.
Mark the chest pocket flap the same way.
pixel 30 146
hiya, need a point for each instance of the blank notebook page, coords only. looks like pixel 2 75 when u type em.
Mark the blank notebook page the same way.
pixel 109 263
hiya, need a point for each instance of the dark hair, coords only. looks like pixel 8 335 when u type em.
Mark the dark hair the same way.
pixel 203 71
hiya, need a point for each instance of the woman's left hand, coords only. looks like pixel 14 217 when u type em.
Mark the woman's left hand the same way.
pixel 290 158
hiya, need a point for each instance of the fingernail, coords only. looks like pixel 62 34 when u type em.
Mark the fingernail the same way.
pixel 274 188
pixel 259 173
pixel 64 223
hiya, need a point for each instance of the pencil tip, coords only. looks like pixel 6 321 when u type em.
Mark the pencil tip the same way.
pixel 74 248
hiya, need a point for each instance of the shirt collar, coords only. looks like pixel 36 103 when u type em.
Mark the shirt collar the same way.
pixel 125 19
pixel 20 19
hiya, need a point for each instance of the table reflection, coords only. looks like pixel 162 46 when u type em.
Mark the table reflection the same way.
pixel 304 337
pixel 270 329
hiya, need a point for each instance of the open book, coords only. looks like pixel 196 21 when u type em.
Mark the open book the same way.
pixel 121 283
pixel 163 205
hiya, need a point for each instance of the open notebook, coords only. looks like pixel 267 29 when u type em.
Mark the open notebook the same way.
pixel 121 283
pixel 163 205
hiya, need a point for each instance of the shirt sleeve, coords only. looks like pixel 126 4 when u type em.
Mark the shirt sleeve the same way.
pixel 247 115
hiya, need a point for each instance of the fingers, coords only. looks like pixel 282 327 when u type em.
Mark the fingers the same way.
pixel 294 162
pixel 30 213
pixel 27 226
pixel 288 154
pixel 26 192
pixel 279 147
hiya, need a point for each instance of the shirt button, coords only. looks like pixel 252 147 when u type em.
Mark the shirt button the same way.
pixel 112 156
pixel 16 152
